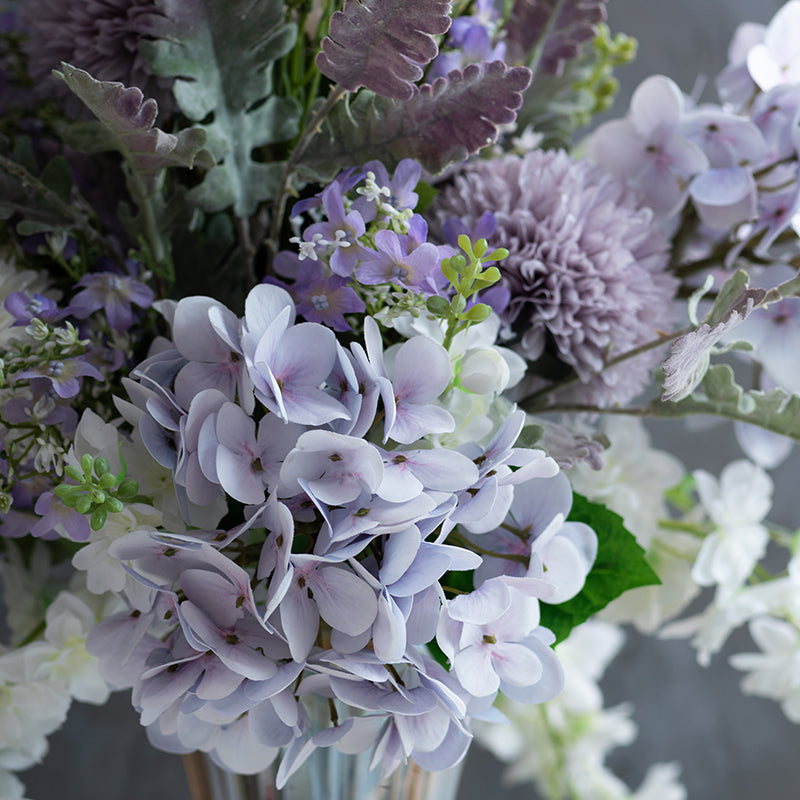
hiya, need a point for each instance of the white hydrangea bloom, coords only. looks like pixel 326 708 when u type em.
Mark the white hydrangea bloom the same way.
pixel 561 745
pixel 104 572
pixel 661 783
pixel 775 671
pixel 31 708
pixel 736 504
pixel 11 787
pixel 62 654
pixel 711 628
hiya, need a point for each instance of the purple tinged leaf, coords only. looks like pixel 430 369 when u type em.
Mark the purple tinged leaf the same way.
pixel 442 123
pixel 382 44
pixel 549 32
pixel 130 118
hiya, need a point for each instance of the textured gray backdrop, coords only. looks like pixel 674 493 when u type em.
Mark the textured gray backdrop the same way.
pixel 730 746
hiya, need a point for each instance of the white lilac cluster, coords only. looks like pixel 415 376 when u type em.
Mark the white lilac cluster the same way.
pixel 47 665
pixel 638 496
pixel 562 745
pixel 303 621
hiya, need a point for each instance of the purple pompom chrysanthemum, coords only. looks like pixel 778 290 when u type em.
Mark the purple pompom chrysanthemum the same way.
pixel 586 271
pixel 99 36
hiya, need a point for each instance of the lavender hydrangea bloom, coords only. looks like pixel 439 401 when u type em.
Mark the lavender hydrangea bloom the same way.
pixel 587 266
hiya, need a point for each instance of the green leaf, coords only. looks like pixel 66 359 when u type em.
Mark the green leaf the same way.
pixel 222 66
pixel 730 291
pixel 129 118
pixel 775 410
pixel 41 208
pixel 57 176
pixel 620 565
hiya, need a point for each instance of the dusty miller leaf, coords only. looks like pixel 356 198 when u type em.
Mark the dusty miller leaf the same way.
pixel 128 126
pixel 222 65
pixel 775 410
pixel 546 33
pixel 620 565
pixel 442 123
pixel 382 44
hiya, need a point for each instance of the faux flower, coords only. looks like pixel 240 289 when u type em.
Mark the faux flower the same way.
pixel 737 504
pixel 586 270
pixel 775 671
pixel 99 36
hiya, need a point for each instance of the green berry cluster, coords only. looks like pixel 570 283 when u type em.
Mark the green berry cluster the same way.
pixel 466 274
pixel 98 491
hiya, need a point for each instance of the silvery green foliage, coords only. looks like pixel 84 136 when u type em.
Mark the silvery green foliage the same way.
pixel 442 123
pixel 776 410
pixel 222 67
pixel 383 44
pixel 127 125
pixel 546 33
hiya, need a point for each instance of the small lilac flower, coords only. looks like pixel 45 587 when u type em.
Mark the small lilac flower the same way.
pixel 64 375
pixel 397 191
pixel 393 264
pixel 340 232
pixel 57 518
pixel 114 293
pixel 24 308
pixel 474 47
pixel 324 299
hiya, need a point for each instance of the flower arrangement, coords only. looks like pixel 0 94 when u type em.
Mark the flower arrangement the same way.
pixel 327 333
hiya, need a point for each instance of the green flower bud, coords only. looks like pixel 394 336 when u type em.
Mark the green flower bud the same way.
pixel 82 505
pixel 101 466
pixel 113 505
pixel 98 518
pixel 127 489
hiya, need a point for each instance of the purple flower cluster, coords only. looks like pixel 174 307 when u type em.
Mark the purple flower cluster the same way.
pixel 737 165
pixel 586 276
pixel 45 360
pixel 304 624
pixel 366 232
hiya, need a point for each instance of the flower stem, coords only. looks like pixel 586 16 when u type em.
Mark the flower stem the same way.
pixel 311 129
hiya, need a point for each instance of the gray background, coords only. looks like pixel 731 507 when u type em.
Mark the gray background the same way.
pixel 730 746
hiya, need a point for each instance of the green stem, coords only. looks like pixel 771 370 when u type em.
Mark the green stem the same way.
pixel 310 130
pixel 78 219
pixel 528 403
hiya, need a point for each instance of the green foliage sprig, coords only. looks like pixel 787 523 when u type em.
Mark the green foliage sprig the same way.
pixel 98 491
pixel 467 276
